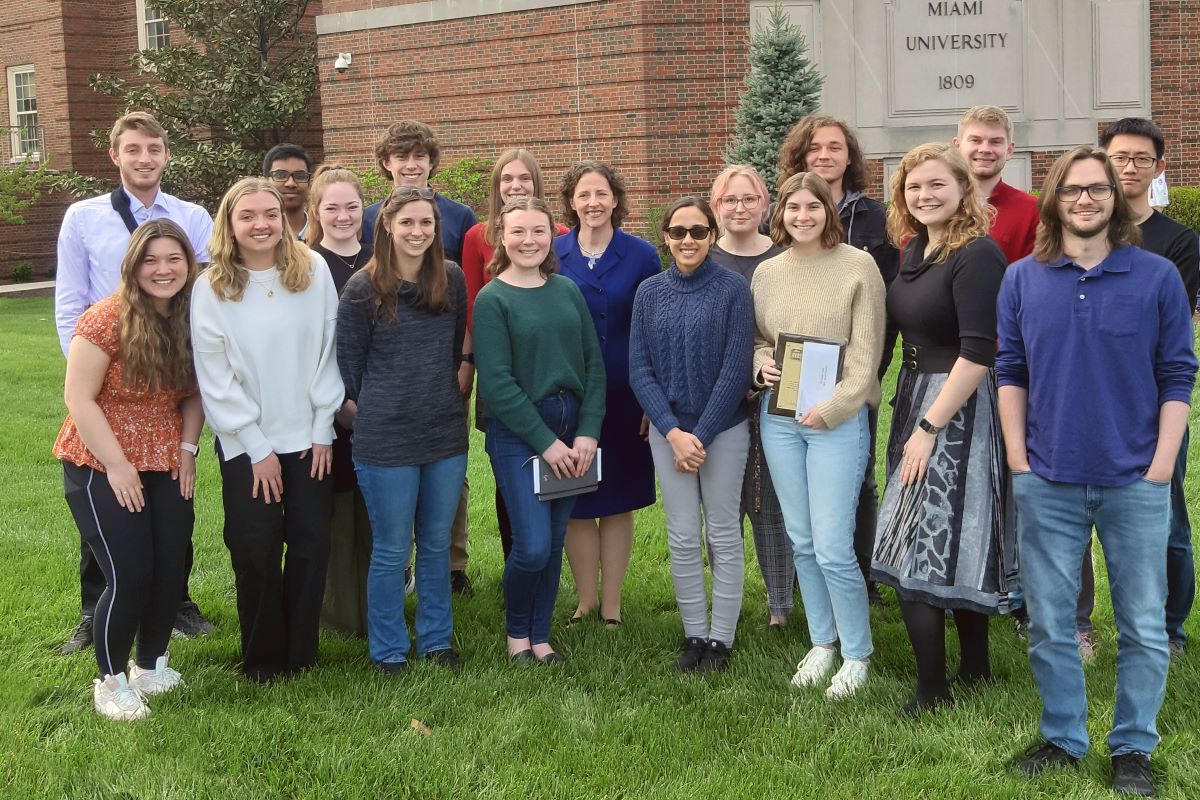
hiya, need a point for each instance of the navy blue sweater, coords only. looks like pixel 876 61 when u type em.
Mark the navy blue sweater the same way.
pixel 691 348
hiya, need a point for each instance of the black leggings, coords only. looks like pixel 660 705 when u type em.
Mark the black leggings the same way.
pixel 927 630
pixel 144 558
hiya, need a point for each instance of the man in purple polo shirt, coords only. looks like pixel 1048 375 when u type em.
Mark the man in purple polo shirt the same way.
pixel 1095 369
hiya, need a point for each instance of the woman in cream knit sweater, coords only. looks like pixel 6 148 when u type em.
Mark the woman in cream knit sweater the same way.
pixel 820 287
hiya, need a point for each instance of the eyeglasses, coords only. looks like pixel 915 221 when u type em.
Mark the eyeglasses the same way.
pixel 749 202
pixel 1097 191
pixel 698 232
pixel 409 192
pixel 1141 162
pixel 282 175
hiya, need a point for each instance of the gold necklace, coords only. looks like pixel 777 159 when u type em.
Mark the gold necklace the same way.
pixel 274 280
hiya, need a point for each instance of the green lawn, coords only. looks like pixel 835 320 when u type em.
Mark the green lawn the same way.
pixel 615 721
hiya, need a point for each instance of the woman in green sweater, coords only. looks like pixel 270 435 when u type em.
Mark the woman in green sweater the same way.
pixel 541 374
pixel 821 288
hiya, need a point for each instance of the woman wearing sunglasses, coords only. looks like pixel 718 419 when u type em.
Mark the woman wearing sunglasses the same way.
pixel 944 540
pixel 401 323
pixel 821 288
pixel 608 265
pixel 739 197
pixel 695 399
pixel 542 374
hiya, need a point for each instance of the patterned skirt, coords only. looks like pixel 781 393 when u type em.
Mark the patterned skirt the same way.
pixel 949 540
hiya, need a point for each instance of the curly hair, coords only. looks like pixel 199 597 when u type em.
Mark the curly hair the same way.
pixel 970 221
pixel 402 138
pixel 433 294
pixel 571 180
pixel 793 153
pixel 833 235
pixel 500 259
pixel 155 349
pixel 227 274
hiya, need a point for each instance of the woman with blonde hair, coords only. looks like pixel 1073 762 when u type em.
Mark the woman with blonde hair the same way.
pixel 128 449
pixel 263 319
pixel 944 540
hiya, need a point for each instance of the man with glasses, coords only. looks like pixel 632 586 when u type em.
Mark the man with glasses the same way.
pixel 289 167
pixel 1095 372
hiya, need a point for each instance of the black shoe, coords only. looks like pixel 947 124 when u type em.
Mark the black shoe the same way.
pixel 716 657
pixel 522 656
pixel 1132 775
pixel 690 654
pixel 873 596
pixel 1020 619
pixel 391 667
pixel 189 622
pixel 460 583
pixel 918 706
pixel 448 658
pixel 81 637
pixel 1040 757
pixel 552 658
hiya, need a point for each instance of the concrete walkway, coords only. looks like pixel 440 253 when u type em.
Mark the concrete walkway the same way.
pixel 18 288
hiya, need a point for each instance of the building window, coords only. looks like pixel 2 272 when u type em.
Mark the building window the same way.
pixel 154 31
pixel 26 134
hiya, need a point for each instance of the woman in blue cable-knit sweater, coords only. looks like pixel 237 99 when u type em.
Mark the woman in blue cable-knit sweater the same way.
pixel 690 354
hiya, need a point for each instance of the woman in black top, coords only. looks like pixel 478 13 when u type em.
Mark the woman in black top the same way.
pixel 944 540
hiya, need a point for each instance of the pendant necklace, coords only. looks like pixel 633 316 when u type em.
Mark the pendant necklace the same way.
pixel 263 284
pixel 592 257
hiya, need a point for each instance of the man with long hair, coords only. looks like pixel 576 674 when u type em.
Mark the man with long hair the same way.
pixel 1095 369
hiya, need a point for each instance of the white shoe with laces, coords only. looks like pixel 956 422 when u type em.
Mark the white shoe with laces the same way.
pixel 116 699
pixel 154 681
pixel 813 668
pixel 848 679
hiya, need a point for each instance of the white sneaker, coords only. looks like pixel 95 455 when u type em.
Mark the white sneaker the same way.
pixel 116 699
pixel 154 681
pixel 845 683
pixel 813 668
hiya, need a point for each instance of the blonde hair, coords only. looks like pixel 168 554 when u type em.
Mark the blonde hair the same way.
pixel 721 186
pixel 832 235
pixel 495 203
pixel 986 115
pixel 970 221
pixel 325 176
pixel 138 121
pixel 155 349
pixel 227 274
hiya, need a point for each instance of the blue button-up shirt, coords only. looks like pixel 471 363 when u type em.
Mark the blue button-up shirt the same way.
pixel 1099 352
pixel 92 243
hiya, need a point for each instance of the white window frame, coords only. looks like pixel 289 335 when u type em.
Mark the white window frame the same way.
pixel 15 114
pixel 144 42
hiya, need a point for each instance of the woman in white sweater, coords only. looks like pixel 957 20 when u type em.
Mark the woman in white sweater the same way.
pixel 263 320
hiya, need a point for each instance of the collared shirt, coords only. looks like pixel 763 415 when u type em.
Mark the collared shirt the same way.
pixel 92 243
pixel 1099 352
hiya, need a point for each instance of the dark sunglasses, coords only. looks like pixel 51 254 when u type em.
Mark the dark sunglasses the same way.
pixel 282 175
pixel 698 232
pixel 409 192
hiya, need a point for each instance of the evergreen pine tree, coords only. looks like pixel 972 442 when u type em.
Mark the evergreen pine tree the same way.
pixel 782 87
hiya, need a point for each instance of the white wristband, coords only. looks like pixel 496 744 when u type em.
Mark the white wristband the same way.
pixel 194 449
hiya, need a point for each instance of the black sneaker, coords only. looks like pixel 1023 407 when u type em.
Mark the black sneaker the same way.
pixel 460 583
pixel 690 654
pixel 716 657
pixel 1132 775
pixel 391 667
pixel 447 658
pixel 189 622
pixel 81 637
pixel 874 598
pixel 1040 757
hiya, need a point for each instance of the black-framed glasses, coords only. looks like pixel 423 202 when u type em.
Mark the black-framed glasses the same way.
pixel 748 201
pixel 409 192
pixel 1141 162
pixel 1097 191
pixel 698 232
pixel 282 175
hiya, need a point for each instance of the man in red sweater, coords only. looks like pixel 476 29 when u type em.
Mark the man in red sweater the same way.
pixel 985 140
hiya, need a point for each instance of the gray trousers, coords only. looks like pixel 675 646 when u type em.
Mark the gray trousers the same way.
pixel 717 487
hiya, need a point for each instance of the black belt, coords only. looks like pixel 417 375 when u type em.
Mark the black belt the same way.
pixel 927 359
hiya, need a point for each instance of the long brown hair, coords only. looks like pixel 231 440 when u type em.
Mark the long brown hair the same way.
pixel 793 153
pixel 970 221
pixel 155 349
pixel 500 259
pixel 1121 228
pixel 495 203
pixel 433 294
pixel 832 235
pixel 325 176
pixel 227 275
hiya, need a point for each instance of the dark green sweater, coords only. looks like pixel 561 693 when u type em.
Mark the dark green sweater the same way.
pixel 529 344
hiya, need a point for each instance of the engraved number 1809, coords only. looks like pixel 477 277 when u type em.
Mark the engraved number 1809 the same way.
pixel 956 81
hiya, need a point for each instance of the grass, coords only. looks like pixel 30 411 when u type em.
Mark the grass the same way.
pixel 615 721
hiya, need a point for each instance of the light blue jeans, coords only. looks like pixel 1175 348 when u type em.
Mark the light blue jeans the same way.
pixel 817 476
pixel 1054 527
pixel 396 498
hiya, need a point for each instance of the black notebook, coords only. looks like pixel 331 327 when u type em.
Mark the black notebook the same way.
pixel 547 486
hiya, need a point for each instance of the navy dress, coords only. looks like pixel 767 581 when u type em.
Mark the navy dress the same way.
pixel 628 470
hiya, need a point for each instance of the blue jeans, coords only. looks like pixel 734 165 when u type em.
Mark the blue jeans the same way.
pixel 1181 569
pixel 533 567
pixel 1054 527
pixel 396 498
pixel 817 475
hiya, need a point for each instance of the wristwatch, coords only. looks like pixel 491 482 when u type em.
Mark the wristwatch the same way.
pixel 468 357
pixel 194 449
pixel 929 427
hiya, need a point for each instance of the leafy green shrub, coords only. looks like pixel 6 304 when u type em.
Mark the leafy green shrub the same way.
pixel 652 233
pixel 22 272
pixel 375 186
pixel 465 181
pixel 1185 206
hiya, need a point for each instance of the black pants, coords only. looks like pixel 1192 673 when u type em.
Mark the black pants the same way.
pixel 867 515
pixel 280 552
pixel 143 559
pixel 91 578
